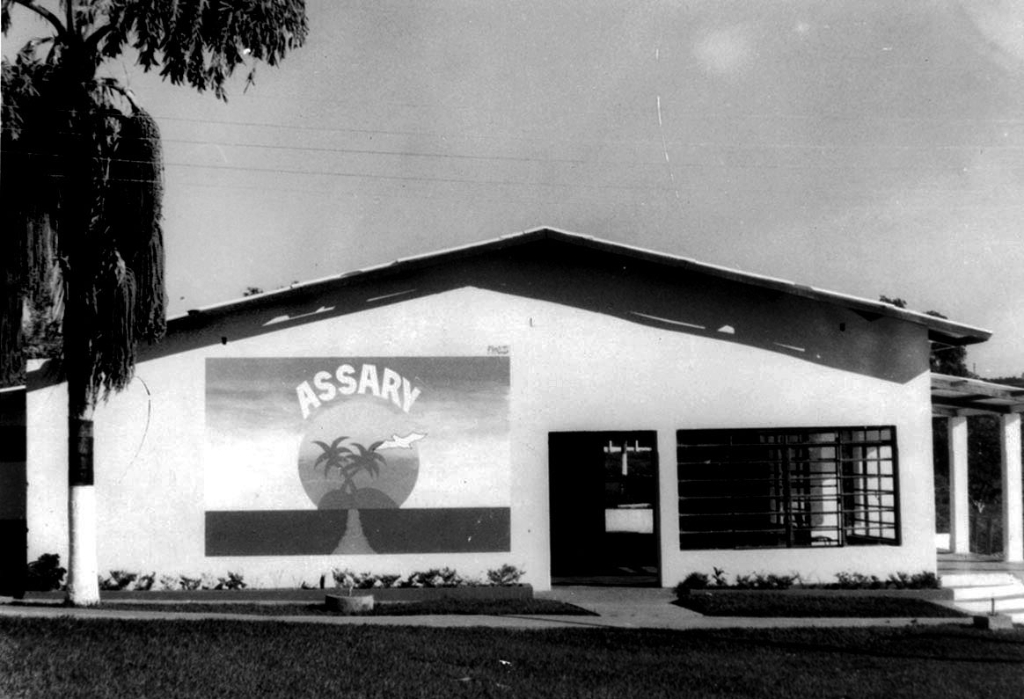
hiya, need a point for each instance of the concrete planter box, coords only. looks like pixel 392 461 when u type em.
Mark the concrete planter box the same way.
pixel 993 622
pixel 357 604
pixel 930 594
pixel 469 592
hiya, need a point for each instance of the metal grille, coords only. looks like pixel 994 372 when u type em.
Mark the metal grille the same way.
pixel 791 487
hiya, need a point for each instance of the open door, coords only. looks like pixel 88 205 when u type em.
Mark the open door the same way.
pixel 603 506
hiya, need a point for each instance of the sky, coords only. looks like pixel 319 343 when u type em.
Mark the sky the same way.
pixel 860 146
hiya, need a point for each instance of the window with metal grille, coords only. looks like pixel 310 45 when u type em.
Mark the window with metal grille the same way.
pixel 787 488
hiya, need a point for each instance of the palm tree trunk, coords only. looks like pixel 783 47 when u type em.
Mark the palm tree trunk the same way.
pixel 353 541
pixel 83 570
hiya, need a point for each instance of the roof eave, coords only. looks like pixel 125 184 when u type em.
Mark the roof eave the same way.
pixel 939 329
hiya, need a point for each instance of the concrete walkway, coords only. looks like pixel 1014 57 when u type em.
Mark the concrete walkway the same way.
pixel 623 608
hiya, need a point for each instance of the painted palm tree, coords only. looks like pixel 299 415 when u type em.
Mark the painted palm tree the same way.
pixel 334 455
pixel 82 193
pixel 361 458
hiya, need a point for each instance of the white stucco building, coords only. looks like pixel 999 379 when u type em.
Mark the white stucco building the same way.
pixel 563 404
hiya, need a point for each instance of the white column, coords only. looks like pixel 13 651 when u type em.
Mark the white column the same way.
pixel 1013 512
pixel 959 512
pixel 672 564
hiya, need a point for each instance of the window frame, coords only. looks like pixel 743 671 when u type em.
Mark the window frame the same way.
pixel 782 488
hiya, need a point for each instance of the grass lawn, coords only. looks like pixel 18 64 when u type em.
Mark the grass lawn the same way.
pixel 765 604
pixel 492 607
pixel 71 657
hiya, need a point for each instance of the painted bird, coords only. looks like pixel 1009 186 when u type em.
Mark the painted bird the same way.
pixel 405 442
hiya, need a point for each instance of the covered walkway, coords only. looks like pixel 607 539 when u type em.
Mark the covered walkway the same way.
pixel 956 398
pixel 960 563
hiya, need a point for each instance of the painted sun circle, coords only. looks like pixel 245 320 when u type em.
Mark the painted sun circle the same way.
pixel 360 454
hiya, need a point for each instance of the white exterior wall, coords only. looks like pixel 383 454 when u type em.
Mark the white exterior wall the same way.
pixel 571 370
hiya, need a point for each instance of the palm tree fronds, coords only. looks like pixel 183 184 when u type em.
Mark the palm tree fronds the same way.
pixel 82 223
pixel 114 328
pixel 28 245
pixel 11 361
pixel 136 185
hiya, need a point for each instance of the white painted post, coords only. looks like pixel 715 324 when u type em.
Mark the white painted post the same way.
pixel 959 512
pixel 1013 507
pixel 82 587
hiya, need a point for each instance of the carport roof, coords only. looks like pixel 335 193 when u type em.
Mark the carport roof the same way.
pixel 954 396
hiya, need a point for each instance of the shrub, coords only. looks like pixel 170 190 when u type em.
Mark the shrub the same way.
pixel 387 581
pixel 343 578
pixel 844 581
pixel 858 581
pixel 145 582
pixel 45 573
pixel 775 582
pixel 900 581
pixel 435 577
pixel 353 581
pixel 744 582
pixel 754 581
pixel 118 580
pixel 695 581
pixel 505 575
pixel 918 581
pixel 232 582
pixel 925 580
pixel 187 583
pixel 719 577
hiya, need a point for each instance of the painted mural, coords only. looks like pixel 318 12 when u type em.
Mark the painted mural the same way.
pixel 357 455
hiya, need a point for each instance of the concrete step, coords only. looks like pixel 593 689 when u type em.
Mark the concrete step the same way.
pixel 983 593
pixel 1001 604
pixel 977 579
pixel 988 591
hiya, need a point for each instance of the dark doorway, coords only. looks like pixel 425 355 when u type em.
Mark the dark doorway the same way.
pixel 603 507
pixel 13 493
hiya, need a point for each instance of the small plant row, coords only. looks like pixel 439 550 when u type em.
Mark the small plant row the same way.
pixel 506 575
pixel 124 580
pixel 896 581
pixel 844 581
pixel 754 581
pixel 45 574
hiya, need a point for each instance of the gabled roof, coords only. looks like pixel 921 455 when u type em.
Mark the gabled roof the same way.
pixel 939 329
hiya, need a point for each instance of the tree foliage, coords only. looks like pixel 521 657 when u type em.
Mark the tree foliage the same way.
pixel 82 190
pixel 196 42
pixel 82 246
